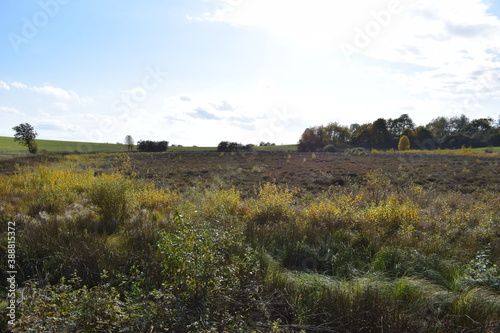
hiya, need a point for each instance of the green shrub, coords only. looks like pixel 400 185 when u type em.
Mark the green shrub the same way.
pixel 330 149
pixel 481 272
pixel 206 266
pixel 66 307
pixel 113 197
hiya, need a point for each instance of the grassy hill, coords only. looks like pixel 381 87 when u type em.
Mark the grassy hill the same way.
pixel 9 147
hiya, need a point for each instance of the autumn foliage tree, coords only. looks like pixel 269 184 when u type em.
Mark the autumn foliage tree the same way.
pixel 441 132
pixel 316 138
pixel 404 143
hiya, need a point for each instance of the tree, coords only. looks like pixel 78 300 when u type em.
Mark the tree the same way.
pixel 459 124
pixel 424 138
pixel 479 125
pixel 129 141
pixel 226 146
pixel 337 135
pixel 398 125
pixel 380 136
pixel 25 135
pixel 152 146
pixel 439 128
pixel 404 143
pixel 362 135
pixel 313 139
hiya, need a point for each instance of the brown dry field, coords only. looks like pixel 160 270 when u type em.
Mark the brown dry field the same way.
pixel 246 171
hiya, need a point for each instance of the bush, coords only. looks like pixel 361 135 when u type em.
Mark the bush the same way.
pixel 112 195
pixel 67 307
pixel 404 143
pixel 360 151
pixel 330 149
pixel 324 216
pixel 274 204
pixel 152 146
pixel 161 200
pixel 211 272
pixel 387 217
pixel 226 146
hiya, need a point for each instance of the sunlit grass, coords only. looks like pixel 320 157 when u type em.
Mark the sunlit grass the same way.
pixel 368 256
pixel 8 145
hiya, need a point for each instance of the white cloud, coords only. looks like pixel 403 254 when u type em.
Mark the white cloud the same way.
pixel 57 125
pixel 49 90
pixel 58 93
pixel 4 86
pixel 7 110
pixel 208 119
pixel 19 85
pixel 62 106
pixel 444 49
pixel 312 22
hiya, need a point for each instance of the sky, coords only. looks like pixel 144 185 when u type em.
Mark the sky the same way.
pixel 197 72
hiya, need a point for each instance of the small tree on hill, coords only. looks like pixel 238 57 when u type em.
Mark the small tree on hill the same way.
pixel 129 141
pixel 404 143
pixel 25 135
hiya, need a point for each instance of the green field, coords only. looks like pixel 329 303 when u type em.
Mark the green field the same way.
pixel 8 147
pixel 489 149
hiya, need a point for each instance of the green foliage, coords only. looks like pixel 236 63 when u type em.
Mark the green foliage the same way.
pixel 205 266
pixel 476 308
pixel 67 307
pixel 25 135
pixel 317 138
pixel 226 146
pixel 481 272
pixel 129 142
pixel 113 196
pixel 330 149
pixel 359 151
pixel 152 146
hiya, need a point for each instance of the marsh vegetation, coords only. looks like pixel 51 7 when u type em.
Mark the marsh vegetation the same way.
pixel 262 242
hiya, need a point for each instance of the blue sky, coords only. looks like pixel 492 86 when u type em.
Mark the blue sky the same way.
pixel 196 72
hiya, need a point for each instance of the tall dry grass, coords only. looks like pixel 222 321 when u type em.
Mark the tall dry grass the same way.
pixel 109 252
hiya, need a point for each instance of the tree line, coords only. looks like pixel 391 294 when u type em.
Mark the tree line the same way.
pixel 152 146
pixel 441 132
pixel 227 146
